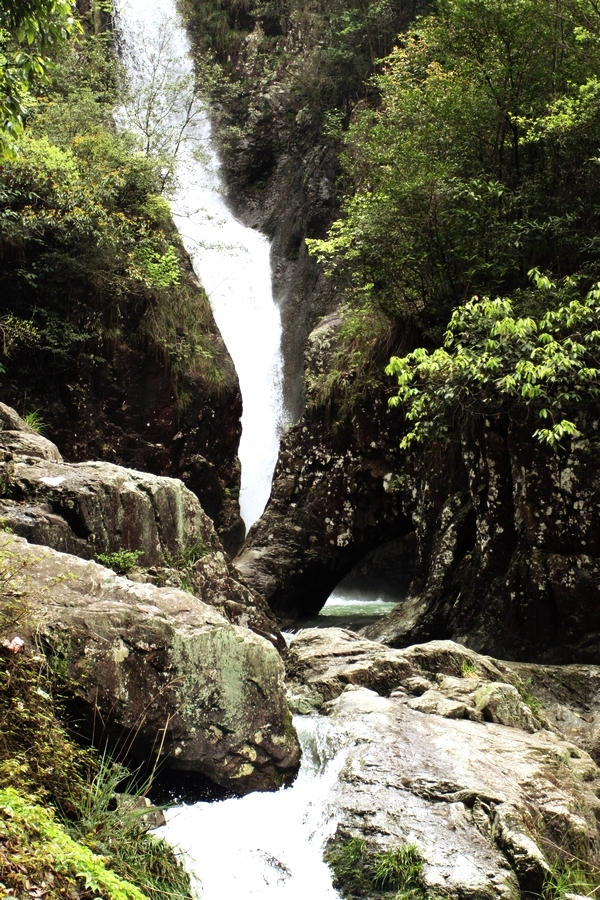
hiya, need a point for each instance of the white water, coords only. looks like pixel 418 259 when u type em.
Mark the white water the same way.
pixel 341 604
pixel 232 261
pixel 265 845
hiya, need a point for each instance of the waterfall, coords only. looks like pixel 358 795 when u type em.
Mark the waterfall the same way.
pixel 232 261
pixel 267 846
pixel 264 845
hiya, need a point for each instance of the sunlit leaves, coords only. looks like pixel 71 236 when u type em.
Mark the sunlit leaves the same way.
pixel 550 366
pixel 30 30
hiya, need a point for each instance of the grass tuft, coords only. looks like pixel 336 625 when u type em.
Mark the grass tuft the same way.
pixel 35 421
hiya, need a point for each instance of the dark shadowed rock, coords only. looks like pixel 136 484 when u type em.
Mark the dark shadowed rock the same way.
pixel 159 672
pixel 499 536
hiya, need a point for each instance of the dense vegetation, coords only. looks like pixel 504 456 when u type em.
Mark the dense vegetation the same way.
pixel 301 72
pixel 476 176
pixel 89 255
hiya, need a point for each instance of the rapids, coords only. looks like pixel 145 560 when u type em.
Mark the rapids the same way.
pixel 266 845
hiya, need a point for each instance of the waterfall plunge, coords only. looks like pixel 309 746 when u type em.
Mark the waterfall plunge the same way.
pixel 232 261
pixel 267 846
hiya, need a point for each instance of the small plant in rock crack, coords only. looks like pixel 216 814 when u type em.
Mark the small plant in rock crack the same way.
pixel 524 689
pixel 396 871
pixel 399 869
pixel 121 560
pixel 35 421
pixel 469 669
pixel 188 555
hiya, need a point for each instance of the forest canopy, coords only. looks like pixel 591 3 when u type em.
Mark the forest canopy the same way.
pixel 477 174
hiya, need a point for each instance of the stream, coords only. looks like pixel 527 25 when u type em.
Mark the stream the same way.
pixel 264 845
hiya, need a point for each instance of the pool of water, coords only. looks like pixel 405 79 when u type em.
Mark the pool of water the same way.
pixel 347 610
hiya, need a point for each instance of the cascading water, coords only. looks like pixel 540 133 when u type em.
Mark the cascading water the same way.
pixel 267 846
pixel 232 261
pixel 263 845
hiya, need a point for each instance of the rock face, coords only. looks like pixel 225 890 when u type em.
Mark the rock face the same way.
pixel 509 564
pixel 118 402
pixel 500 536
pixel 107 508
pixel 444 754
pixel 331 502
pixel 95 508
pixel 164 673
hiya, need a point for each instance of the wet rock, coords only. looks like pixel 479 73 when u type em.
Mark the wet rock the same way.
pixel 160 672
pixel 321 662
pixel 502 703
pixel 433 701
pixel 121 402
pixel 487 804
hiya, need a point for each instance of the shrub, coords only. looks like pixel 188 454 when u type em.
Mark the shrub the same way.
pixel 494 362
pixel 120 560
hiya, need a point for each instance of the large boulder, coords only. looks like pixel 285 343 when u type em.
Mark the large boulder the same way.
pixel 446 751
pixel 509 561
pixel 156 670
pixel 96 508
pixel 108 508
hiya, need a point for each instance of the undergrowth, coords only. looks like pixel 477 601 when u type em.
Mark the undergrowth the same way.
pixel 121 560
pixel 62 829
pixel 571 877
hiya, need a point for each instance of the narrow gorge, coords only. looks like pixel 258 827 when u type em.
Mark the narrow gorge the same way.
pixel 299 491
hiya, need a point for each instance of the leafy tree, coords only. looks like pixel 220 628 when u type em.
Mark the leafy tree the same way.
pixel 478 168
pixel 30 32
pixel 480 162
pixel 494 362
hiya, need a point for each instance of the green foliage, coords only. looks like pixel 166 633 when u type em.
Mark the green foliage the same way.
pixel 317 58
pixel 90 257
pixel 479 163
pixel 38 844
pixel 469 669
pixel 399 869
pixel 346 860
pixel 479 168
pixel 121 560
pixel 529 699
pixel 571 876
pixel 493 360
pixel 395 871
pixel 30 30
pixel 35 421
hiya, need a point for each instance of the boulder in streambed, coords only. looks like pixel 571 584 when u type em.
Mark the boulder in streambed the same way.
pixel 484 808
pixel 156 670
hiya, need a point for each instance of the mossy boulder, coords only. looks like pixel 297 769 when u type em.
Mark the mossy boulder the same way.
pixel 159 672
